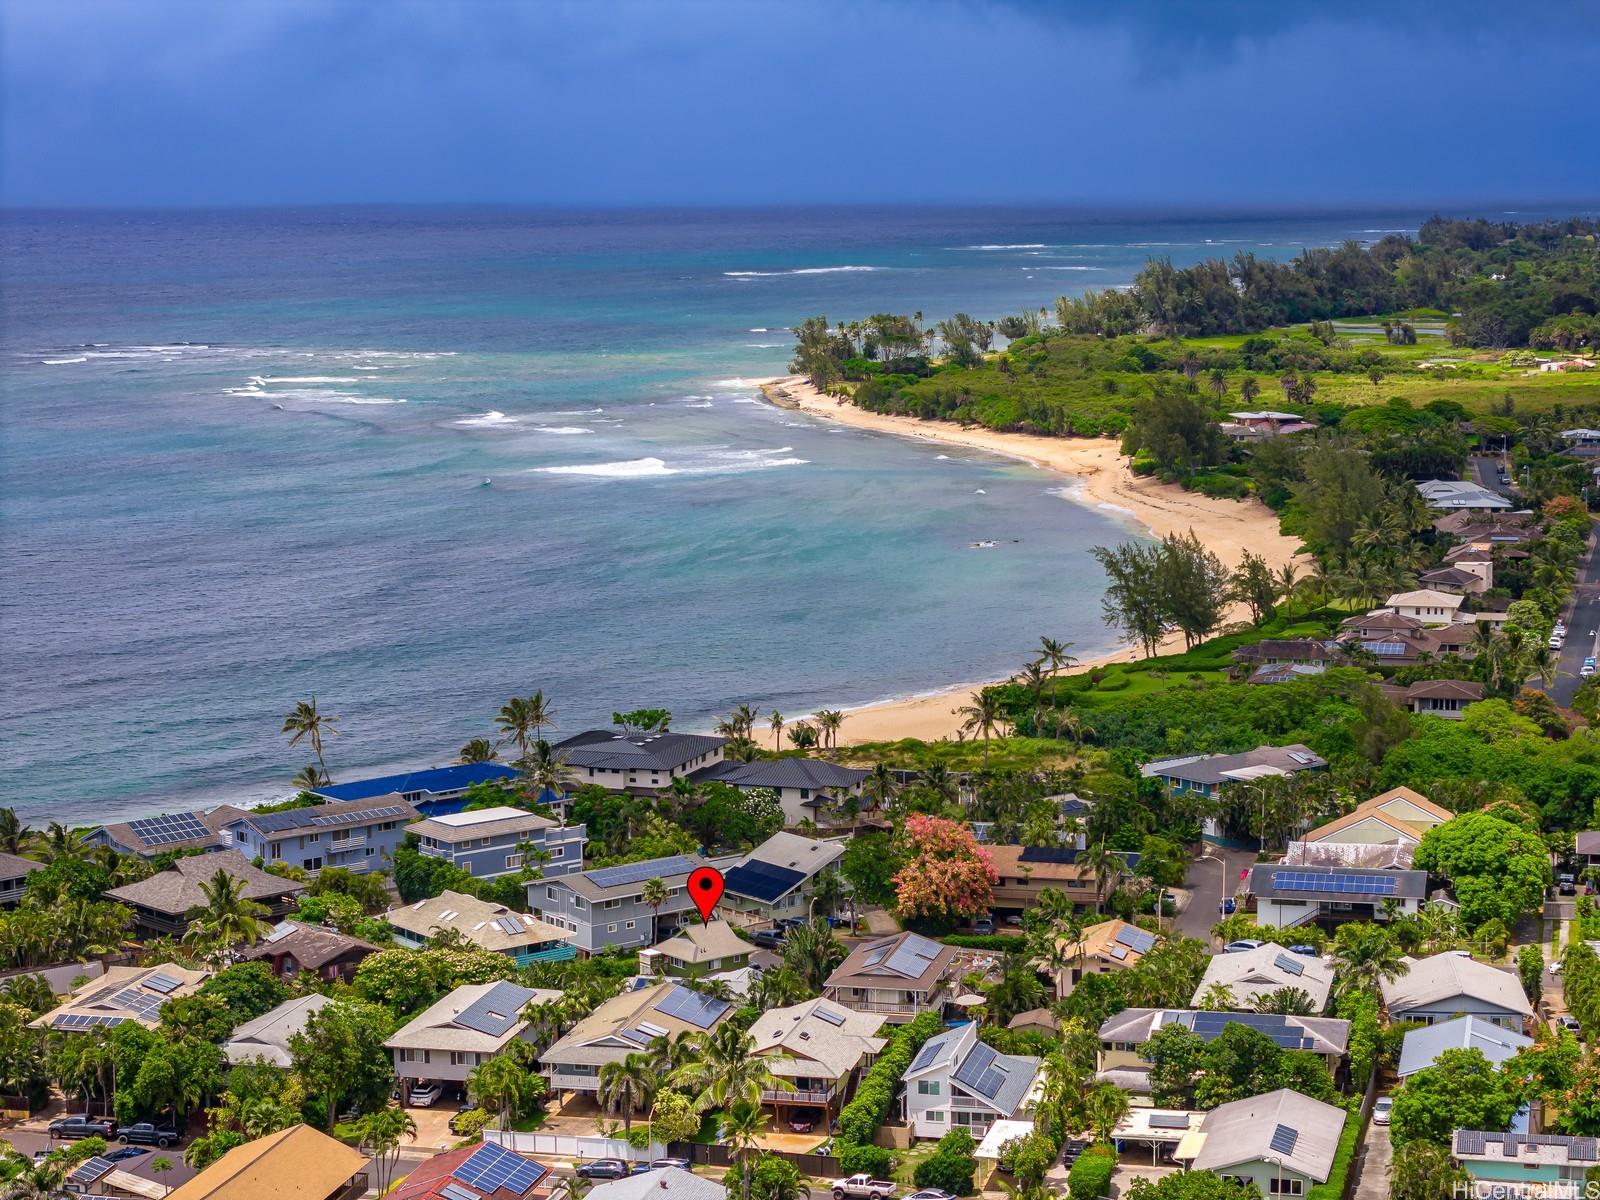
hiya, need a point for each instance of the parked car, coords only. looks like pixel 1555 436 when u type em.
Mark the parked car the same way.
pixel 424 1094
pixel 863 1187
pixel 1071 1151
pixel 1570 1023
pixel 1382 1109
pixel 1228 906
pixel 1567 884
pixel 603 1168
pixel 772 939
pixel 683 1164
pixel 1307 951
pixel 802 1125
pixel 124 1154
pixel 147 1133
pixel 640 1168
pixel 1587 670
pixel 931 1194
pixel 983 925
pixel 82 1125
pixel 1241 944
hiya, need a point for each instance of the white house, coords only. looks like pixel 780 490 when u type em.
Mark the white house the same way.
pixel 1252 975
pixel 472 1024
pixel 1444 986
pixel 956 1080
pixel 268 1036
pixel 1289 896
pixel 1430 606
pixel 1460 493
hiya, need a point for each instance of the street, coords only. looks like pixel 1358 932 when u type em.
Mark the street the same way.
pixel 1208 875
pixel 27 1140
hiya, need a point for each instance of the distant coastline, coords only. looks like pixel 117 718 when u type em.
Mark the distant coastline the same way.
pixel 1103 481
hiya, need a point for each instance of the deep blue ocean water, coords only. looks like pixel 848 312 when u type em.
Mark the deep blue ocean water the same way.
pixel 416 462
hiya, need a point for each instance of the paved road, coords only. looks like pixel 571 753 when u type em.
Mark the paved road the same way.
pixel 1206 881
pixel 1485 472
pixel 1583 620
pixel 26 1141
pixel 1372 1163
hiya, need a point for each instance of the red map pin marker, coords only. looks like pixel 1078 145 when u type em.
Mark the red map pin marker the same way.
pixel 705 888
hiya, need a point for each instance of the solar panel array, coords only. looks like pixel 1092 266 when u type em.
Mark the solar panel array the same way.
pixel 280 931
pixel 654 868
pixel 366 814
pixel 927 1054
pixel 1210 1025
pixel 165 984
pixel 828 1015
pixel 454 1191
pixel 94 1169
pixel 1290 964
pixel 75 1021
pixel 508 925
pixel 1169 1120
pixel 1284 1138
pixel 1139 941
pixel 1049 854
pixel 762 881
pixel 141 1003
pixel 491 1167
pixel 1384 648
pixel 700 1011
pixel 163 831
pixel 496 1010
pixel 913 956
pixel 1338 882
pixel 1579 1149
pixel 979 1072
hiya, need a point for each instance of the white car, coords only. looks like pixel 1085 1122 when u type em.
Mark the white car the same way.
pixel 1588 670
pixel 1382 1109
pixel 425 1095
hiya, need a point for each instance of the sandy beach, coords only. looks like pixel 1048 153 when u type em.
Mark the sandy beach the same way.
pixel 1228 527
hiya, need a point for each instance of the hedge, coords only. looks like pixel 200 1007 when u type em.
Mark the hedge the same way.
pixel 859 1120
pixel 985 941
pixel 1333 1189
pixel 1361 1010
pixel 950 1166
pixel 866 1160
pixel 1090 1176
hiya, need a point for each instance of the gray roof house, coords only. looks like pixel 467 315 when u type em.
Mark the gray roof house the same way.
pixel 1251 975
pixel 625 1025
pixel 267 1037
pixel 636 762
pixel 474 1023
pixel 808 788
pixel 1210 774
pixel 14 872
pixel 1453 984
pixel 818 1047
pixel 1287 896
pixel 1122 1035
pixel 150 836
pixel 1282 1142
pixel 956 1081
pixel 162 902
pixel 662 1183
pixel 776 878
pixel 1456 494
pixel 605 907
pixel 522 937
pixel 1538 1166
pixel 1422 1047
pixel 359 835
pixel 489 842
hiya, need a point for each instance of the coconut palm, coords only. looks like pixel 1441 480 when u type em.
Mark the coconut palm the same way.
pixel 829 720
pixel 775 723
pixel 1075 727
pixel 307 723
pixel 654 893
pixel 1105 1105
pixel 309 779
pixel 742 1127
pixel 504 1083
pixel 629 1085
pixel 744 720
pixel 668 1055
pixel 777 989
pixel 1363 956
pixel 813 952
pixel 725 1070
pixel 1107 866
pixel 60 842
pixel 226 916
pixel 881 786
pixel 478 750
pixel 982 716
pixel 1291 1001
pixel 14 834
pixel 544 769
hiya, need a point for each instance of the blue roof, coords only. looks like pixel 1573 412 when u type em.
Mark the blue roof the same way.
pixel 435 780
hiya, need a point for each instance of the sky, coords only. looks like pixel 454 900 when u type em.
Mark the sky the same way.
pixel 1231 103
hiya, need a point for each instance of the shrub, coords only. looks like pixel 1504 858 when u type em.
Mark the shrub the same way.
pixel 859 1120
pixel 1090 1176
pixel 1333 1188
pixel 950 1166
pixel 865 1160
pixel 1361 1010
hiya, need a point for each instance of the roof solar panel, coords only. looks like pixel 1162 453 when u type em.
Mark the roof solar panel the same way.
pixel 496 1011
pixel 508 925
pixel 164 830
pixel 1119 952
pixel 163 983
pixel 135 1001
pixel 1284 1138
pixel 92 1170
pixel 1138 940
pixel 926 1055
pixel 913 956
pixel 358 816
pixel 762 881
pixel 1290 964
pixel 976 1070
pixel 491 1167
pixel 454 1191
pixel 828 1015
pixel 638 872
pixel 700 1011
pixel 1169 1120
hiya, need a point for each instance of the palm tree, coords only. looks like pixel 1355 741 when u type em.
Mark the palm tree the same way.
pixel 502 1081
pixel 829 720
pixel 1291 1001
pixel 14 834
pixel 881 786
pixel 478 750
pixel 61 842
pixel 1107 866
pixel 742 1127
pixel 775 723
pixel 813 953
pixel 629 1085
pixel 161 1164
pixel 726 1072
pixel 1249 389
pixel 744 720
pixel 1075 727
pixel 1033 677
pixel 545 769
pixel 654 893
pixel 226 916
pixel 1105 1105
pixel 309 779
pixel 777 989
pixel 984 716
pixel 1363 956
pixel 308 723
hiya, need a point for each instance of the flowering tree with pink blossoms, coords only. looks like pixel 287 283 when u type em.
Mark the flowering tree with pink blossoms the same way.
pixel 947 874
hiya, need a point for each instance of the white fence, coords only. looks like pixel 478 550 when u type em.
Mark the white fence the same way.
pixel 555 1145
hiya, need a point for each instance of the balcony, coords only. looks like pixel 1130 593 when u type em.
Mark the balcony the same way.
pixel 354 841
pixel 563 1081
pixel 800 1095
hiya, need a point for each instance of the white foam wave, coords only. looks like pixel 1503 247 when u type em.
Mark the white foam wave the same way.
pixel 487 420
pixel 573 412
pixel 1010 246
pixel 565 430
pixel 61 362
pixel 943 456
pixel 715 463
pixel 1062 268
pixel 700 404
pixel 796 271
pixel 758 329
pixel 636 468
pixel 273 379
pixel 763 345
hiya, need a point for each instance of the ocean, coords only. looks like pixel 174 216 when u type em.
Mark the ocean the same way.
pixel 415 462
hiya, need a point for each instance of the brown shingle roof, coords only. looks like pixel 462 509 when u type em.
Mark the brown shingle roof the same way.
pixel 312 946
pixel 906 961
pixel 178 889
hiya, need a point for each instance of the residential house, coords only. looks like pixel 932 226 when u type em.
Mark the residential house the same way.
pixel 297 1163
pixel 697 950
pixel 359 835
pixel 293 948
pixel 1025 871
pixel 1254 426
pixel 1457 494
pixel 896 977
pixel 643 763
pixel 1212 774
pixel 1421 1048
pixel 522 937
pixel 1581 437
pixel 150 836
pixel 1457 579
pixel 1446 698
pixel 1282 1143
pixel 1467 524
pixel 1104 948
pixel 1586 847
pixel 819 1048
pixel 1036 1020
pixel 485 1171
pixel 1253 975
pixel 1399 814
pixel 14 872
pixel 473 1024
pixel 1540 1166
pixel 1123 1035
pixel 661 1183
pixel 957 1081
pixel 1290 652
pixel 1444 986
pixel 122 994
pixel 1291 896
pixel 162 902
pixel 605 907
pixel 1429 606
pixel 267 1037
pixel 489 842
pixel 777 878
pixel 808 788
pixel 625 1025
pixel 432 792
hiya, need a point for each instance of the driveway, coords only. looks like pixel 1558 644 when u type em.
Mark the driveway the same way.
pixel 1372 1163
pixel 1218 867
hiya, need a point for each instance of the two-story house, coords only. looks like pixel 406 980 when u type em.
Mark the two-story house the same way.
pixel 1399 814
pixel 958 1081
pixel 14 872
pixel 432 792
pixel 1538 1166
pixel 778 878
pixel 1251 976
pixel 808 788
pixel 488 842
pixel 521 937
pixel 1210 775
pixel 1291 896
pixel 1123 1036
pixel 625 1025
pixel 472 1024
pixel 605 907
pixel 1102 949
pixel 1454 984
pixel 150 836
pixel 1023 872
pixel 1280 1143
pixel 894 977
pixel 819 1049
pixel 643 763
pixel 162 902
pixel 359 835
pixel 122 994
pixel 698 950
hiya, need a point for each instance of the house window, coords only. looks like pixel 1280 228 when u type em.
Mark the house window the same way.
pixel 1286 1187
pixel 485 841
pixel 629 924
pixel 313 864
pixel 513 861
pixel 463 1058
pixel 611 928
pixel 928 1087
pixel 612 904
pixel 549 893
pixel 935 1115
pixel 466 865
pixel 558 852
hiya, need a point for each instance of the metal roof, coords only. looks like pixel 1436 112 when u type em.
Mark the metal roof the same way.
pixel 765 882
pixel 433 780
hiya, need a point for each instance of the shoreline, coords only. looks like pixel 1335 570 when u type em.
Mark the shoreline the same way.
pixel 1102 480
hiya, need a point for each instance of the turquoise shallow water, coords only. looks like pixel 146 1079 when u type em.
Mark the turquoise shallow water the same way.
pixel 416 462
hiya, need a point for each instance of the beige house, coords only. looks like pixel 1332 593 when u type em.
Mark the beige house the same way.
pixel 519 936
pixel 698 950
pixel 1252 975
pixel 1399 814
pixel 1430 606
pixel 896 977
pixel 819 1048
pixel 474 1023
pixel 625 1025
pixel 122 994
pixel 1104 948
